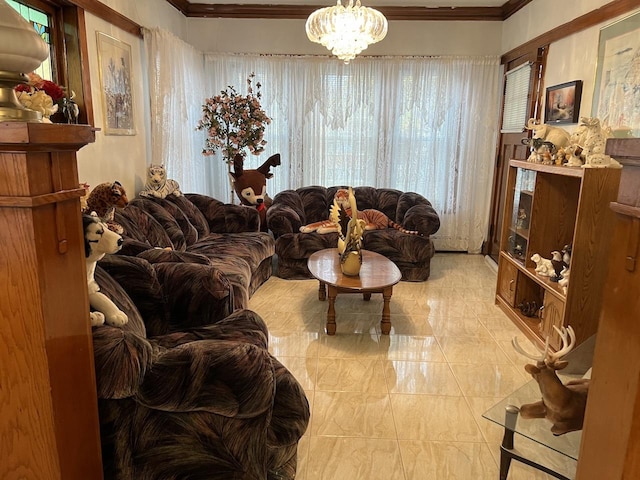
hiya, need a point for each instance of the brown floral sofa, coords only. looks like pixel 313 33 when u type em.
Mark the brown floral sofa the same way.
pixel 186 396
pixel 198 229
pixel 411 253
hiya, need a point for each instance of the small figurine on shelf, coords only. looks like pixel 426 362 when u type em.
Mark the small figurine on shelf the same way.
pixel 522 219
pixel 70 109
pixel 558 265
pixel 544 267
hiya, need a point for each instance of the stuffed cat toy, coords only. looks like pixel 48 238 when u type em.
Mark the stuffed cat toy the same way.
pixel 374 219
pixel 158 185
pixel 98 241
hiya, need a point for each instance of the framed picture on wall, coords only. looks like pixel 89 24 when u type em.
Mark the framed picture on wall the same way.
pixel 616 97
pixel 562 103
pixel 114 58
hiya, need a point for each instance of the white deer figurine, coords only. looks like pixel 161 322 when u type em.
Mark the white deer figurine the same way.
pixel 562 404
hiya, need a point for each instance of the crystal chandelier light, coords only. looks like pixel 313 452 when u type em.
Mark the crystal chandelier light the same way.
pixel 346 30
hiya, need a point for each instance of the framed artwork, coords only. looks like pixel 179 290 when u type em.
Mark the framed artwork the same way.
pixel 114 58
pixel 562 103
pixel 616 96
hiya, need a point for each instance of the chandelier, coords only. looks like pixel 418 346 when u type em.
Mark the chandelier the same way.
pixel 346 30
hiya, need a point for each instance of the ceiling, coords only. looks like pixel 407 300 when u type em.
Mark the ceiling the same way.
pixel 492 10
pixel 368 3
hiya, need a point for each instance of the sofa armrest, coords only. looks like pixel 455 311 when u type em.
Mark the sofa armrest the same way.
pixel 422 218
pixel 226 218
pixel 172 296
pixel 232 379
pixel 283 219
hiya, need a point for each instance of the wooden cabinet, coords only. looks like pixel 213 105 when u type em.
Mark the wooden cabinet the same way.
pixel 48 407
pixel 611 436
pixel 547 208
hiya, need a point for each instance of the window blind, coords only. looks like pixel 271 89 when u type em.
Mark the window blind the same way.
pixel 516 98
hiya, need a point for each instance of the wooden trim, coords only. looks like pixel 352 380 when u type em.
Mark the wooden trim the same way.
pixel 512 6
pixel 595 17
pixel 84 66
pixel 39 200
pixel 181 5
pixel 627 150
pixel 303 11
pixel 108 14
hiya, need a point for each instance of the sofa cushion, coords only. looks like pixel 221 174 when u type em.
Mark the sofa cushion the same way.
pixel 164 218
pixel 195 216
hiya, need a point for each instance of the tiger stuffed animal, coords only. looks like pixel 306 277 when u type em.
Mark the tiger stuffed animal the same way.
pixel 158 185
pixel 374 219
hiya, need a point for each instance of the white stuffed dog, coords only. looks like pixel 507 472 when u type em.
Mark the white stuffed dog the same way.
pixel 98 241
pixel 544 267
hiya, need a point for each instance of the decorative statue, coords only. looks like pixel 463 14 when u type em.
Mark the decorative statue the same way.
pixel 562 404
pixel 544 267
pixel 548 133
pixel 349 235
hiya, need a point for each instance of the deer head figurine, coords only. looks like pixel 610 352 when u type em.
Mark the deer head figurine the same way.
pixel 562 404
pixel 251 185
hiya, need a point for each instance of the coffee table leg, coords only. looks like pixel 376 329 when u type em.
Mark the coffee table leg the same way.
pixel 322 292
pixel 385 324
pixel 366 296
pixel 331 312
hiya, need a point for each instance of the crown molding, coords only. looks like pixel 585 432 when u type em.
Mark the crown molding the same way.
pixel 262 11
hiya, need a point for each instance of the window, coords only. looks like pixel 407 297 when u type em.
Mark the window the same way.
pixel 516 98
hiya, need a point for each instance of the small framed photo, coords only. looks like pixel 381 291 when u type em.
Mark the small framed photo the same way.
pixel 114 59
pixel 562 103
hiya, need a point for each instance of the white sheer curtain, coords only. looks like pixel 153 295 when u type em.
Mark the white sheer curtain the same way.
pixel 176 79
pixel 422 124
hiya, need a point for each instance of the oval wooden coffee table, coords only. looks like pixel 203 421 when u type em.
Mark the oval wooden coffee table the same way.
pixel 378 274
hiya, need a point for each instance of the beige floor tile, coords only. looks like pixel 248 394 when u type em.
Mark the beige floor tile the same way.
pixel 352 414
pixel 434 418
pixel 337 458
pixel 411 348
pixel 294 344
pixel 430 378
pixel 305 370
pixel 351 375
pixel 468 326
pixel 447 461
pixel 492 432
pixel 416 325
pixel 472 350
pixel 349 346
pixel 486 380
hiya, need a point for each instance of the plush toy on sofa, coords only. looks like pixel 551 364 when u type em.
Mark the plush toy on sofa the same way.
pixel 98 241
pixel 374 219
pixel 158 185
pixel 103 200
pixel 251 185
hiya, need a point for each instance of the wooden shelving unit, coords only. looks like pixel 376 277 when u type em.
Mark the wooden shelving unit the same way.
pixel 548 207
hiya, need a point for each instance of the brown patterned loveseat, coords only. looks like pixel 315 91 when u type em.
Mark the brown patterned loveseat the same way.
pixel 190 396
pixel 411 253
pixel 199 229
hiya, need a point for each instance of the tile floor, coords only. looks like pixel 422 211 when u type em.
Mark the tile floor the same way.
pixel 407 406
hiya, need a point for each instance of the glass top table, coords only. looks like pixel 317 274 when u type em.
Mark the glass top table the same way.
pixel 536 429
pixel 541 449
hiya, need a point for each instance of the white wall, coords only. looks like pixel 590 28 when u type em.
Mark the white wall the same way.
pixel 115 157
pixel 572 58
pixel 289 37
